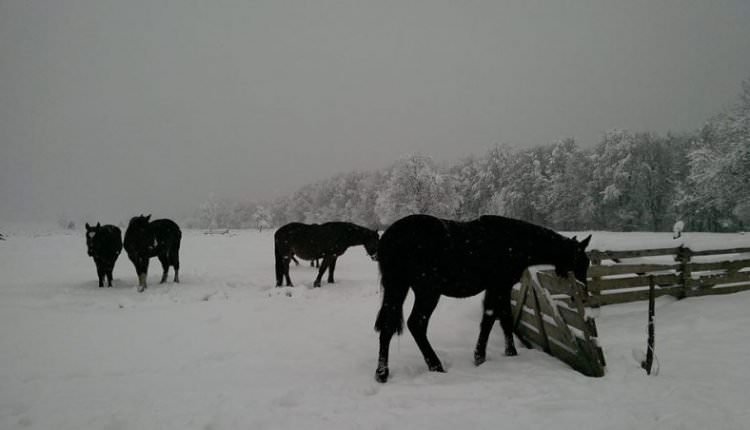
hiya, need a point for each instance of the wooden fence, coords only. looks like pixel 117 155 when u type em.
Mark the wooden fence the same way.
pixel 549 312
pixel 623 276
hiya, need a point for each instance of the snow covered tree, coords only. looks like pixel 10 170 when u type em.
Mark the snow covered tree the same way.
pixel 570 205
pixel 415 186
pixel 717 190
pixel 262 217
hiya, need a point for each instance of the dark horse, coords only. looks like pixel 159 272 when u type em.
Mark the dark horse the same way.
pixel 461 259
pixel 104 244
pixel 326 241
pixel 159 238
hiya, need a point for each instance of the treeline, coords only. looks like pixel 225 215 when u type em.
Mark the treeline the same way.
pixel 628 181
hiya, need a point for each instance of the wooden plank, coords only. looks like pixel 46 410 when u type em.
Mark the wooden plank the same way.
pixel 597 271
pixel 634 296
pixel 720 290
pixel 553 283
pixel 632 282
pixel 575 360
pixel 521 297
pixel 572 318
pixel 548 330
pixel 720 265
pixel 594 359
pixel 720 278
pixel 540 319
pixel 562 328
pixel 530 334
pixel 588 347
pixel 608 255
pixel 722 251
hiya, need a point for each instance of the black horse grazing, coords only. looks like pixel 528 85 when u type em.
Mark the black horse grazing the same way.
pixel 326 241
pixel 460 259
pixel 104 243
pixel 159 238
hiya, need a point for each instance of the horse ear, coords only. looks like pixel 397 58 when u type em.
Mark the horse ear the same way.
pixel 98 225
pixel 574 238
pixel 148 217
pixel 585 242
pixel 88 227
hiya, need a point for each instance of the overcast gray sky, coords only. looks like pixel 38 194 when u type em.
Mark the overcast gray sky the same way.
pixel 109 108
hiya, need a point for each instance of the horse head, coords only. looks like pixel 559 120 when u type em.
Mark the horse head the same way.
pixel 371 244
pixel 90 235
pixel 575 259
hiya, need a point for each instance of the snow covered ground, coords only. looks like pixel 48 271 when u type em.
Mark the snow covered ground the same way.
pixel 225 350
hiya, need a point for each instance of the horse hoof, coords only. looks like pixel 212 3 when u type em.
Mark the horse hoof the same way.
pixel 511 352
pixel 381 375
pixel 437 368
pixel 479 359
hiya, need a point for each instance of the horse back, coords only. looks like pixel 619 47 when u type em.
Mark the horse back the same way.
pixel 460 259
pixel 299 239
pixel 108 241
pixel 165 229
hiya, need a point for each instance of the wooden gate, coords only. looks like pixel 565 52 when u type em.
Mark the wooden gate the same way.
pixel 550 312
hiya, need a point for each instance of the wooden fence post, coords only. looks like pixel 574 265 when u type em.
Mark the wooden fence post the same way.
pixel 594 292
pixel 683 256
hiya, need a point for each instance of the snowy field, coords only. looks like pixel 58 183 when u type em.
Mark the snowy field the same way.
pixel 226 350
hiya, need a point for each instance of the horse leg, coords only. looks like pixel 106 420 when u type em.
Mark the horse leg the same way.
pixel 175 262
pixel 506 322
pixel 424 305
pixel 323 266
pixel 389 320
pixel 142 270
pixel 100 272
pixel 491 305
pixel 282 269
pixel 381 373
pixel 331 268
pixel 164 260
pixel 108 273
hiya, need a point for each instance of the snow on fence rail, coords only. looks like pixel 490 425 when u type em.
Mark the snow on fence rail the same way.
pixel 549 312
pixel 623 276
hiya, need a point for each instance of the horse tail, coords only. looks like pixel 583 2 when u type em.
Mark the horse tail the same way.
pixel 280 266
pixel 394 289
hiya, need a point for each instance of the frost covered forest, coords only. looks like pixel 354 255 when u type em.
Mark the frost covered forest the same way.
pixel 628 181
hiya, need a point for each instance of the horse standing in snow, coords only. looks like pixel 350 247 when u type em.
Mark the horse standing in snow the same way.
pixel 326 241
pixel 159 238
pixel 437 257
pixel 104 244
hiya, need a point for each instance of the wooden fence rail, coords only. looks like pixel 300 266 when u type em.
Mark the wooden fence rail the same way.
pixel 615 278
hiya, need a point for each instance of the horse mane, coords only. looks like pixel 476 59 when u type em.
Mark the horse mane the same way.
pixel 523 227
